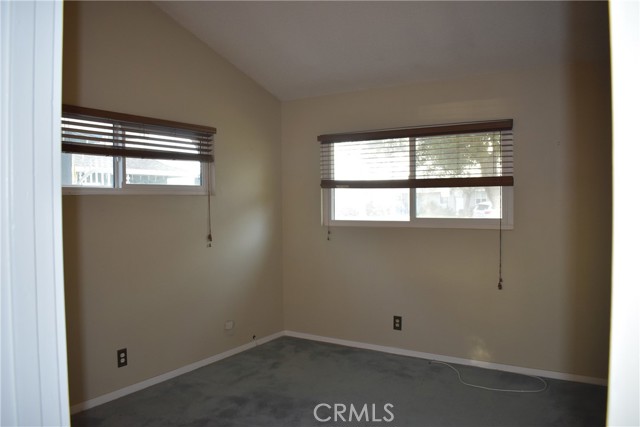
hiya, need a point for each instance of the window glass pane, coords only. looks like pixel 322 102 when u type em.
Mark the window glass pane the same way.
pixel 162 172
pixel 163 143
pixel 468 155
pixel 387 204
pixel 82 170
pixel 372 160
pixel 462 202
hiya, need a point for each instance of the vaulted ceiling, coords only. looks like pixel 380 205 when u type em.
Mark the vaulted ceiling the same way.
pixel 303 49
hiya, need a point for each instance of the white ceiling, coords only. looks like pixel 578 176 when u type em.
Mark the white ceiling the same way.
pixel 303 49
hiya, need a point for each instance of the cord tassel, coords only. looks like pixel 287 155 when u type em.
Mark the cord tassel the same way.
pixel 210 234
pixel 500 238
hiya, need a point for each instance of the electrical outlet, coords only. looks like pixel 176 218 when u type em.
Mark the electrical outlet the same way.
pixel 122 357
pixel 397 323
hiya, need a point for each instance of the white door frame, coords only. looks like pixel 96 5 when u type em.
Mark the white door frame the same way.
pixel 33 376
pixel 624 357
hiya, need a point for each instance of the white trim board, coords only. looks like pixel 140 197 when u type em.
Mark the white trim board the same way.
pixel 354 344
pixel 449 359
pixel 172 374
pixel 33 353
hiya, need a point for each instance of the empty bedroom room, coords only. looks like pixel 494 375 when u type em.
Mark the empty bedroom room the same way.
pixel 274 282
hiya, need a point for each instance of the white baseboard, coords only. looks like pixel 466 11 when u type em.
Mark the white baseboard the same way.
pixel 166 376
pixel 355 344
pixel 449 359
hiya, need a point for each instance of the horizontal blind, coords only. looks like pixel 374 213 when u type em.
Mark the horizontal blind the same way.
pixel 478 154
pixel 106 133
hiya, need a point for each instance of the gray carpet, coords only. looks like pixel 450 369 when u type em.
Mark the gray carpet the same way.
pixel 281 382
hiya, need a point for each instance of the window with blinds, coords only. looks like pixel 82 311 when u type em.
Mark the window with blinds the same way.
pixel 108 150
pixel 453 171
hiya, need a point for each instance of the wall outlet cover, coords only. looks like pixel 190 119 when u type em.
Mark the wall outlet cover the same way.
pixel 122 357
pixel 397 323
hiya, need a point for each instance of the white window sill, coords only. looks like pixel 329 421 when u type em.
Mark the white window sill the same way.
pixel 135 191
pixel 485 223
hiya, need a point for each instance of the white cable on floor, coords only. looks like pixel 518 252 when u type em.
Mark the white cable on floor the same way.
pixel 496 389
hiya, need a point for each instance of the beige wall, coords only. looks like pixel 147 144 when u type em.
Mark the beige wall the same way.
pixel 137 272
pixel 553 313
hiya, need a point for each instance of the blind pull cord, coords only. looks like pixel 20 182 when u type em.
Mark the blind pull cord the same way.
pixel 209 235
pixel 500 239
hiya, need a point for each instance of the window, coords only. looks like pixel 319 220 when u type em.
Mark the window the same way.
pixel 455 175
pixel 106 152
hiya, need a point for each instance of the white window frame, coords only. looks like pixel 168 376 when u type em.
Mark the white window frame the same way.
pixel 134 137
pixel 506 222
pixel 207 175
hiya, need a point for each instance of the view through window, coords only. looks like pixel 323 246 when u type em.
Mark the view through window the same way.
pixel 101 150
pixel 455 176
